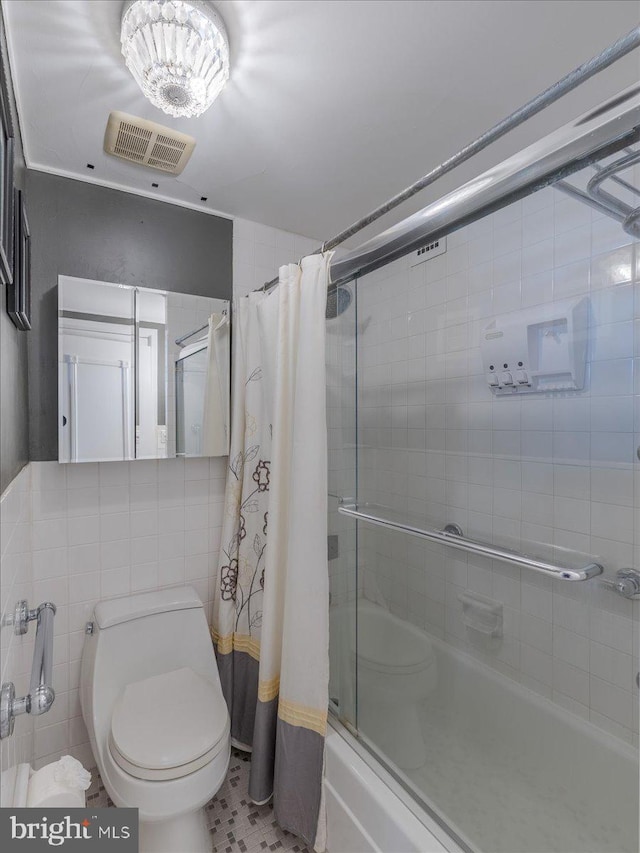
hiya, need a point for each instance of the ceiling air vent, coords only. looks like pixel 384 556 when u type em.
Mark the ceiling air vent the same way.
pixel 428 251
pixel 147 143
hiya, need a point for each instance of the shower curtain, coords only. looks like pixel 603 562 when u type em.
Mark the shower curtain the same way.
pixel 270 620
pixel 215 419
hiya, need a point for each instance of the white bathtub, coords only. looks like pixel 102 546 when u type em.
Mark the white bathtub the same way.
pixel 367 811
pixel 514 772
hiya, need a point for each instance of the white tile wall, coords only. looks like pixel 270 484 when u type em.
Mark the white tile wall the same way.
pixel 259 250
pixel 109 529
pixel 556 475
pixel 16 584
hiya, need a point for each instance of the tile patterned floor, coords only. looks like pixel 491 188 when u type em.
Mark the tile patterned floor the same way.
pixel 236 824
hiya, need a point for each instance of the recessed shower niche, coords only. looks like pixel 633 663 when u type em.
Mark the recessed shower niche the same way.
pixel 142 373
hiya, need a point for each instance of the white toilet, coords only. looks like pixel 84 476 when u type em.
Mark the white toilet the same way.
pixel 397 671
pixel 157 720
pixel 396 668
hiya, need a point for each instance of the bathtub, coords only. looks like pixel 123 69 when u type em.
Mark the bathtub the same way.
pixel 367 810
pixel 514 772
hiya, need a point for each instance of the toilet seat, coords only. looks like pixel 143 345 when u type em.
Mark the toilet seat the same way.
pixel 390 646
pixel 396 668
pixel 168 726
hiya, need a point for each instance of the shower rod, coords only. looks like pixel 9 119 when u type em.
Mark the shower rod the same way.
pixel 181 340
pixel 621 47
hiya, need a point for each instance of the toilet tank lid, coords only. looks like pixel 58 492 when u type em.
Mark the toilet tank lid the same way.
pixel 114 611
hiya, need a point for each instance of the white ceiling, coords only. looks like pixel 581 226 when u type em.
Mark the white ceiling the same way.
pixel 332 107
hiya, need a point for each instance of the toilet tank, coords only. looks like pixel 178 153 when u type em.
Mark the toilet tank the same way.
pixel 138 636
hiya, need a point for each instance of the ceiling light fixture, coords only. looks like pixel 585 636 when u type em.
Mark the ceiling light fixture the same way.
pixel 178 53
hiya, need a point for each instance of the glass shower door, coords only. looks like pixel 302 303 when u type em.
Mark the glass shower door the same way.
pixel 505 700
pixel 341 367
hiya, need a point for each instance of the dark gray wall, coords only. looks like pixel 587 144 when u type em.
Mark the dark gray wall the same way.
pixel 83 230
pixel 14 422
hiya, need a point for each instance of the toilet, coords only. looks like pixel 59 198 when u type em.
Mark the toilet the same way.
pixel 397 671
pixel 157 720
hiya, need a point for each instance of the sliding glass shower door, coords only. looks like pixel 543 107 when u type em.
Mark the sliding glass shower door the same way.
pixel 496 396
pixel 342 546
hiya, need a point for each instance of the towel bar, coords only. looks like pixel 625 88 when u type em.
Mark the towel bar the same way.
pixel 452 536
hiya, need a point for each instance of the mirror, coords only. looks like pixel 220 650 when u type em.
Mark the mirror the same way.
pixel 143 373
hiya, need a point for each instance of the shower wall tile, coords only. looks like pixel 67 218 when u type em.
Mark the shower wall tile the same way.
pixel 556 476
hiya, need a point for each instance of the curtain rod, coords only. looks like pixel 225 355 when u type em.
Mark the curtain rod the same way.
pixel 624 45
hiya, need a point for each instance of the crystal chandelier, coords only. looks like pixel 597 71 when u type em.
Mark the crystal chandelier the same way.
pixel 178 53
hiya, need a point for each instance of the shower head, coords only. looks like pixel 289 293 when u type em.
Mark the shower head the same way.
pixel 338 300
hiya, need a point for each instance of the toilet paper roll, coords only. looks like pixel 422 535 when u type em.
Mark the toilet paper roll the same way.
pixel 46 791
pixel 60 798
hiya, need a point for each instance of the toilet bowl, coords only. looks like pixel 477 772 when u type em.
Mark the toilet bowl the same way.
pixel 157 720
pixel 396 671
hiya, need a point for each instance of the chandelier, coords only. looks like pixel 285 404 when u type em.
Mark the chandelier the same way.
pixel 178 53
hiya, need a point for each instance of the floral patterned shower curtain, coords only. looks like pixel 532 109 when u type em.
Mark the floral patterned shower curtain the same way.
pixel 270 620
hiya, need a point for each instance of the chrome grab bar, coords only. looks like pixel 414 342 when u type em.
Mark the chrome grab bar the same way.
pixel 40 690
pixel 452 536
pixel 41 694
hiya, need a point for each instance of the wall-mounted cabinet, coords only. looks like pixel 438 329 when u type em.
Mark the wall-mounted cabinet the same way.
pixel 142 373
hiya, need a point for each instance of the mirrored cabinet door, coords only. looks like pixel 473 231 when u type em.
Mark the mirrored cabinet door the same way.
pixel 151 374
pixel 200 355
pixel 96 371
pixel 143 373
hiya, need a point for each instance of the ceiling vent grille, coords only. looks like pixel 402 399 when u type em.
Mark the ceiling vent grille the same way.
pixel 147 143
pixel 428 251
